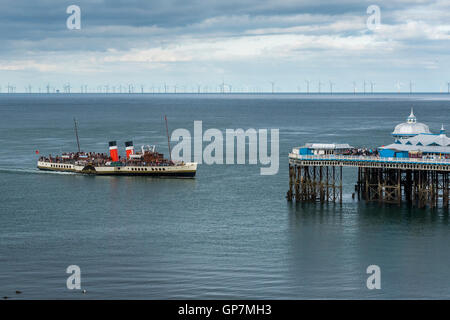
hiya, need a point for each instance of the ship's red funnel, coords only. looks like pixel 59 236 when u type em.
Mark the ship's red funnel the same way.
pixel 129 148
pixel 113 151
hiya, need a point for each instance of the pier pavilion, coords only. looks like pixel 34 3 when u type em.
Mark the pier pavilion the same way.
pixel 410 128
pixel 414 169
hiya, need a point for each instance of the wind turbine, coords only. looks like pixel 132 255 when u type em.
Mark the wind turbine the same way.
pixel 320 85
pixel 372 84
pixel 273 86
pixel 331 87
pixel 398 85
pixel 354 87
pixel 364 87
pixel 410 86
pixel 448 87
pixel 307 86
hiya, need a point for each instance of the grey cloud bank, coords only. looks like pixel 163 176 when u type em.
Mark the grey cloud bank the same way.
pixel 246 43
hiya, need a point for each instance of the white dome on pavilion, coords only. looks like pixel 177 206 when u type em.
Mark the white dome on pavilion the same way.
pixel 410 128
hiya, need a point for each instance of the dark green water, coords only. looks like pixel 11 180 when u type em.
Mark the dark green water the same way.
pixel 227 234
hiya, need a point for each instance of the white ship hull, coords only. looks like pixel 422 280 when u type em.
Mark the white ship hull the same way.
pixel 187 170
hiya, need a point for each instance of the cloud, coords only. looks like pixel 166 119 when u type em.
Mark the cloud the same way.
pixel 17 65
pixel 120 37
pixel 176 54
pixel 414 30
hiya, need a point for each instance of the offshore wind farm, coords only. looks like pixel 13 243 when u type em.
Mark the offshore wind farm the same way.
pixel 221 88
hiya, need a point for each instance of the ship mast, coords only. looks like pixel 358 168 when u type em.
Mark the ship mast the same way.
pixel 168 138
pixel 76 133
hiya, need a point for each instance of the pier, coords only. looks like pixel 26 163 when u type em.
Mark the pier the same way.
pixel 415 169
pixel 420 182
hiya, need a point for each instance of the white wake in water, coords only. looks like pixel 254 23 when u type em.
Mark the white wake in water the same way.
pixel 30 170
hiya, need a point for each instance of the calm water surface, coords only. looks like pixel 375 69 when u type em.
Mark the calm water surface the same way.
pixel 229 233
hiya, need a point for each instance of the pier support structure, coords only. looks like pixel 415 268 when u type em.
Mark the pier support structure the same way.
pixel 420 188
pixel 321 181
pixel 315 183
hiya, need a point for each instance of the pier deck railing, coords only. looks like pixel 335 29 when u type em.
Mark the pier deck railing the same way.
pixel 372 161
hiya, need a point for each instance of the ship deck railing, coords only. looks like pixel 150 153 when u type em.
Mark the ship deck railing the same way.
pixel 373 161
pixel 124 164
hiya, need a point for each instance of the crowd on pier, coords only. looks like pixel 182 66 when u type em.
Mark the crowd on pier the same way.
pixel 362 152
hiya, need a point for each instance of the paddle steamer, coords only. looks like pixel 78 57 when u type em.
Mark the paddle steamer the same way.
pixel 146 162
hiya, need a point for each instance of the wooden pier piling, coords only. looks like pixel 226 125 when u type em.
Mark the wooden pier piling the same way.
pixel 315 184
pixel 319 179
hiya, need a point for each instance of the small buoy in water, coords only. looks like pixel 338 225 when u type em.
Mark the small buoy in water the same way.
pixel 84 291
pixel 18 292
pixel 5 298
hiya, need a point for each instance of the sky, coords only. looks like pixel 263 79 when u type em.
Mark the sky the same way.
pixel 247 45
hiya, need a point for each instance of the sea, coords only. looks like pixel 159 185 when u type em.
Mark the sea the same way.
pixel 227 234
